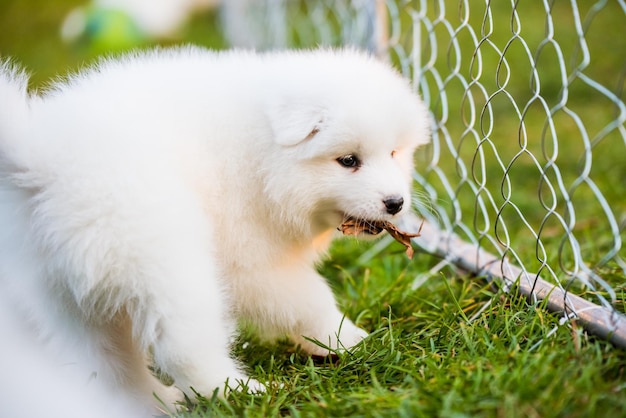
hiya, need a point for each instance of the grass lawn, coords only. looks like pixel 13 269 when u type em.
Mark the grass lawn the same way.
pixel 446 344
pixel 425 357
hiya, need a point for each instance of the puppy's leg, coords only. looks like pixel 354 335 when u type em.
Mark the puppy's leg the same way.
pixel 178 312
pixel 193 333
pixel 319 318
pixel 302 306
pixel 184 317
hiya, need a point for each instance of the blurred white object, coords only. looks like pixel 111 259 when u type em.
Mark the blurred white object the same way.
pixel 257 24
pixel 36 384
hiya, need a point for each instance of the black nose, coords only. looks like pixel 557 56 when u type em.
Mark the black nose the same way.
pixel 393 204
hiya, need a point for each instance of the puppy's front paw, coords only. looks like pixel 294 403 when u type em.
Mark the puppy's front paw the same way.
pixel 344 338
pixel 235 382
pixel 350 335
pixel 251 386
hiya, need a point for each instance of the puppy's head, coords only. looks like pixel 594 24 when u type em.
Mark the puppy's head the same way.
pixel 344 141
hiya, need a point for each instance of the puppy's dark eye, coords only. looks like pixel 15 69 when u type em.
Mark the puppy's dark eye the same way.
pixel 349 161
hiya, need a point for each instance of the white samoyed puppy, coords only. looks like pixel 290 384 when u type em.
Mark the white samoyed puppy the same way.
pixel 149 203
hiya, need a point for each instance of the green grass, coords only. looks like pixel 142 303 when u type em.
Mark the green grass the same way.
pixel 447 345
pixel 424 356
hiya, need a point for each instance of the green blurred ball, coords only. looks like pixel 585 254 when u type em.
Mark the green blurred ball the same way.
pixel 110 30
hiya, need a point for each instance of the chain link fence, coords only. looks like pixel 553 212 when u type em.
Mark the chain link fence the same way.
pixel 525 181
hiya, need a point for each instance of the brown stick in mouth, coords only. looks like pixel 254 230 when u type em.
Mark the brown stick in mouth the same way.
pixel 354 226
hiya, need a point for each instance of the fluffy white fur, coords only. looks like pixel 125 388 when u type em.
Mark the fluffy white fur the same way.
pixel 153 201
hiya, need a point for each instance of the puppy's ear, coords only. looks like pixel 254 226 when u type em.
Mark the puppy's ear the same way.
pixel 293 123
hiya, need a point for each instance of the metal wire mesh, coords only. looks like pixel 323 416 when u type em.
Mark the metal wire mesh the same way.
pixel 526 185
pixel 527 170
